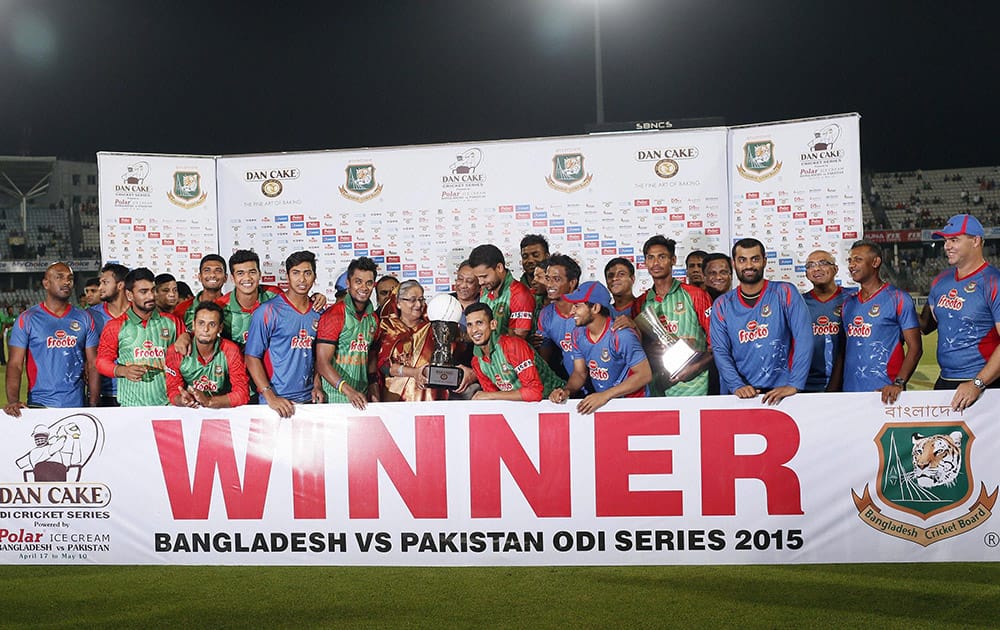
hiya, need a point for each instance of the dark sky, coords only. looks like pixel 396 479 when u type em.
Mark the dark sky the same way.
pixel 79 76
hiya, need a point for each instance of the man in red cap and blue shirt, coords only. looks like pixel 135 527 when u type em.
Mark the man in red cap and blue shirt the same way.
pixel 613 359
pixel 965 302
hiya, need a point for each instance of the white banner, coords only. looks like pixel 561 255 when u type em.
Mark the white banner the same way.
pixel 796 186
pixel 419 211
pixel 158 211
pixel 820 478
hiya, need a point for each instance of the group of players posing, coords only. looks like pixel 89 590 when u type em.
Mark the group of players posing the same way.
pixel 546 336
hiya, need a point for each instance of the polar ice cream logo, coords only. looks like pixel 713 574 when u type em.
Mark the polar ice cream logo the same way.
pixel 925 470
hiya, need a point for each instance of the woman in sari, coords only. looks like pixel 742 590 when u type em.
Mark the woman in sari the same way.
pixel 404 345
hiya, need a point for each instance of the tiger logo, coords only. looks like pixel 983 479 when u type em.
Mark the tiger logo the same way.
pixel 937 460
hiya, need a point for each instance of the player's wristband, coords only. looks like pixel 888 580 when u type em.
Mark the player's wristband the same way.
pixel 340 386
pixel 264 389
pixel 900 382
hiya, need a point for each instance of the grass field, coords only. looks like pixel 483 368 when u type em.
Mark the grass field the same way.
pixel 957 595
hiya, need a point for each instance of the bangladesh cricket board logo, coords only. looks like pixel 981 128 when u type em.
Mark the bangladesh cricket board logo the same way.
pixel 187 192
pixel 925 470
pixel 759 161
pixel 361 184
pixel 568 173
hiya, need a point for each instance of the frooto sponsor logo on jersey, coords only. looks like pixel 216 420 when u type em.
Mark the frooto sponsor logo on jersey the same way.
pixel 60 339
pixel 205 384
pixel 359 344
pixel 825 326
pixel 951 301
pixel 302 341
pixel 859 328
pixel 752 332
pixel 566 343
pixel 502 384
pixel 671 325
pixel 597 372
pixel 148 350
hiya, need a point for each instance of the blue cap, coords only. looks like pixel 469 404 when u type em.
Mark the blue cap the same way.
pixel 592 292
pixel 961 224
pixel 341 283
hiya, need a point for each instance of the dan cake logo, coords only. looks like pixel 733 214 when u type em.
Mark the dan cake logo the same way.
pixel 360 185
pixel 925 469
pixel 187 192
pixel 568 173
pixel 759 161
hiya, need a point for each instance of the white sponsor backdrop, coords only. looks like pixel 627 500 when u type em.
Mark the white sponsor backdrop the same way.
pixel 796 186
pixel 684 481
pixel 158 211
pixel 424 208
pixel 418 211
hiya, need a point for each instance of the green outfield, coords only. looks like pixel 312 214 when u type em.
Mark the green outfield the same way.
pixel 958 595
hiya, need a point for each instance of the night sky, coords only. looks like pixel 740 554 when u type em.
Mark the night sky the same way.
pixel 81 76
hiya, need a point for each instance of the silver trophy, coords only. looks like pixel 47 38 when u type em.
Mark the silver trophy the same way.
pixel 444 312
pixel 674 353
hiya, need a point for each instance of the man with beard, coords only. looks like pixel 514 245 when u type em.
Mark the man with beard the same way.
pixel 879 319
pixel 965 303
pixel 346 331
pixel 510 301
pixel 504 364
pixel 212 276
pixel 555 322
pixel 56 343
pixel 165 289
pixel 613 360
pixel 683 310
pixel 113 304
pixel 279 348
pixel 760 332
pixel 718 271
pixel 134 345
pixel 825 302
pixel 619 274
pixel 692 265
pixel 214 376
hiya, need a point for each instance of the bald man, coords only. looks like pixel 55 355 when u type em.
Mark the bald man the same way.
pixel 825 302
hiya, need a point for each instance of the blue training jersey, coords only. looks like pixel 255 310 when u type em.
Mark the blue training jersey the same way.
pixel 766 345
pixel 101 315
pixel 609 358
pixel 557 329
pixel 282 337
pixel 967 311
pixel 55 349
pixel 874 329
pixel 827 334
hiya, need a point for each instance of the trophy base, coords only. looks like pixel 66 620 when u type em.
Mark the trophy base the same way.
pixel 444 377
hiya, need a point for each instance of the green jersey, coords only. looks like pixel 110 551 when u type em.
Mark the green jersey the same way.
pixel 683 311
pixel 512 305
pixel 352 335
pixel 236 319
pixel 128 340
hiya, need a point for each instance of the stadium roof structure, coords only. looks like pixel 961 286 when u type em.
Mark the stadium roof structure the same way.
pixel 24 178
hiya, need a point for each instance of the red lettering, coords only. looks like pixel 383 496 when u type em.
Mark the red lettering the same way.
pixel 546 488
pixel 424 490
pixel 614 462
pixel 721 466
pixel 215 451
pixel 308 469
